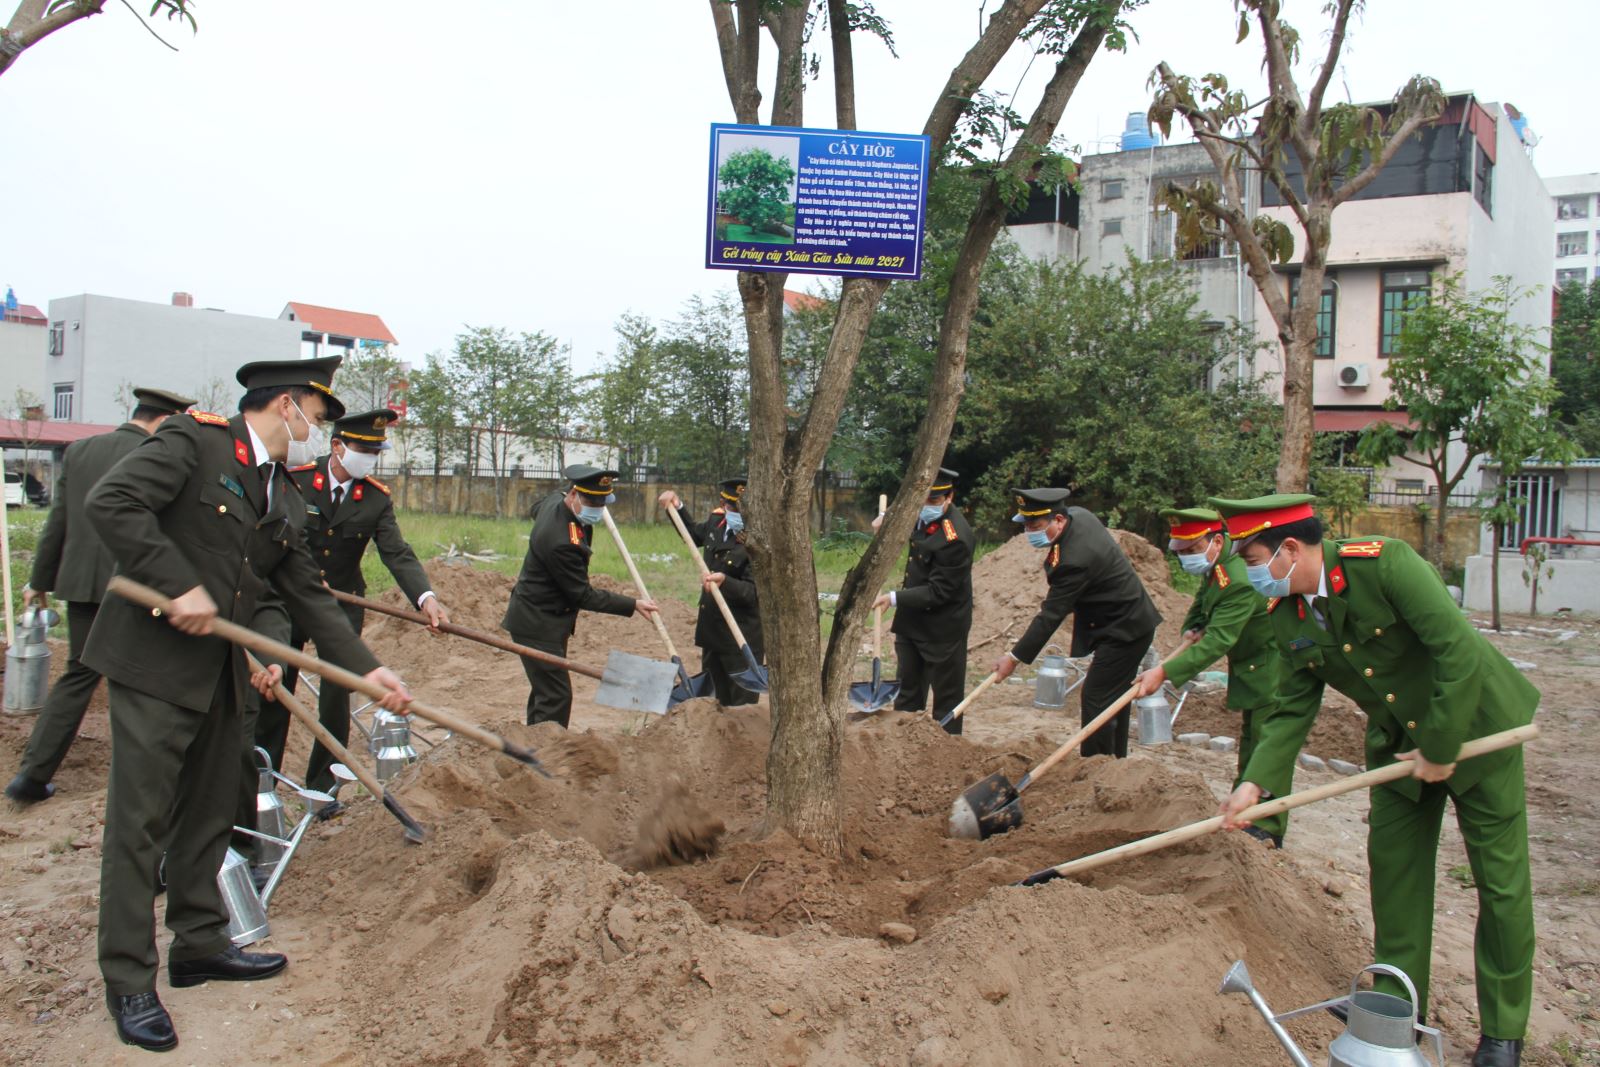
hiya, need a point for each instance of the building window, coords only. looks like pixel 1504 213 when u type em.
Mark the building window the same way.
pixel 1538 509
pixel 64 402
pixel 1111 190
pixel 1327 313
pixel 1572 207
pixel 1111 228
pixel 1483 179
pixel 1402 291
pixel 1572 244
pixel 58 338
pixel 1410 487
pixel 1572 276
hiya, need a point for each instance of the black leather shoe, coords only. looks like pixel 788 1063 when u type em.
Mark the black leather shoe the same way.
pixel 232 964
pixel 1275 840
pixel 142 1021
pixel 27 791
pixel 1497 1052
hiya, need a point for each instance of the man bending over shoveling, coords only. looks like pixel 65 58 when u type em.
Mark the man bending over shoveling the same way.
pixel 1093 581
pixel 554 586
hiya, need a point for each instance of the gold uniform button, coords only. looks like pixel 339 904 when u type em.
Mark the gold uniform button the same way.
pixel 222 509
pixel 156 612
pixel 1389 697
pixel 327 552
pixel 1367 672
pixel 1411 726
pixel 1349 647
pixel 1252 666
pixel 1377 631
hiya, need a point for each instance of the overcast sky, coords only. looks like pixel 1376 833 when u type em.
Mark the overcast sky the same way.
pixel 541 165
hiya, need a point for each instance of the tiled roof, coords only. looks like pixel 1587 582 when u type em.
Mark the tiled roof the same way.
pixel 341 323
pixel 48 434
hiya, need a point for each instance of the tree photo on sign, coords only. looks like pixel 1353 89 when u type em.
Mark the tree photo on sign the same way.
pixel 757 188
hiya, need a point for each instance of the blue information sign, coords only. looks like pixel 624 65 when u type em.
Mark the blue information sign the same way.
pixel 810 201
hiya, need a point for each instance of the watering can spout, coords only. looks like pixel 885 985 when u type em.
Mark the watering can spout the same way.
pixel 1237 980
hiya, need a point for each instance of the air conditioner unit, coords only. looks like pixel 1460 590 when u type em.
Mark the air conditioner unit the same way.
pixel 1354 376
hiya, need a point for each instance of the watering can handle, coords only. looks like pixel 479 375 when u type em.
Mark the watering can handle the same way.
pixel 1394 972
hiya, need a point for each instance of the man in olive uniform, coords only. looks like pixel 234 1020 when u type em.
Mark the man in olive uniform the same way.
pixel 1113 616
pixel 1372 619
pixel 345 509
pixel 204 512
pixel 933 611
pixel 1227 618
pixel 71 562
pixel 554 586
pixel 722 537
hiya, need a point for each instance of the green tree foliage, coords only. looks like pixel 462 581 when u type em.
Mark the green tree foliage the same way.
pixel 754 185
pixel 367 377
pixel 1575 363
pixel 621 399
pixel 1472 383
pixel 434 410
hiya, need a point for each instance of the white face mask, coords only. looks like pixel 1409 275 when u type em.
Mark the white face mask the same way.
pixel 306 451
pixel 357 464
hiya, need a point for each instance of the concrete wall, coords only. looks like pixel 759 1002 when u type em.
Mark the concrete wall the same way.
pixel 1046 242
pixel 1575 586
pixel 1418 529
pixel 22 354
pixel 111 342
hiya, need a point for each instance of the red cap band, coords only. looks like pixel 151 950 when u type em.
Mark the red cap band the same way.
pixel 1251 523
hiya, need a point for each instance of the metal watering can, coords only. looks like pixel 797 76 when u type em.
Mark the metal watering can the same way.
pixel 247 907
pixel 28 662
pixel 1381 1031
pixel 391 745
pixel 1156 715
pixel 1057 677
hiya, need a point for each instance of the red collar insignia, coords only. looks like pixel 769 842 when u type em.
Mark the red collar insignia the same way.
pixel 1336 580
pixel 355 491
pixel 933 528
pixel 241 452
pixel 317 481
pixel 1300 602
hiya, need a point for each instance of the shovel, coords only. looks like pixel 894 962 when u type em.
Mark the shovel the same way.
pixel 688 687
pixel 955 712
pixel 415 832
pixel 754 676
pixel 247 638
pixel 876 694
pixel 994 806
pixel 629 682
pixel 1391 773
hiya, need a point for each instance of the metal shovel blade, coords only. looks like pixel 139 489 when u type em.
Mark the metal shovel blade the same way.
pixel 876 694
pixel 634 683
pixel 982 803
pixel 754 675
pixel 688 686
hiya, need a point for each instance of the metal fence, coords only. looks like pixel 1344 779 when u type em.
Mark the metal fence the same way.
pixel 1539 514
pixel 1399 499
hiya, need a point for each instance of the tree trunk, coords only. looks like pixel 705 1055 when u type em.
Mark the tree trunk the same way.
pixel 1299 343
pixel 1494 577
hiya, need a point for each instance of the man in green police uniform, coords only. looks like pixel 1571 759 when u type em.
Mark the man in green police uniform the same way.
pixel 1113 617
pixel 722 537
pixel 346 508
pixel 1372 619
pixel 203 512
pixel 933 612
pixel 1227 618
pixel 554 586
pixel 71 562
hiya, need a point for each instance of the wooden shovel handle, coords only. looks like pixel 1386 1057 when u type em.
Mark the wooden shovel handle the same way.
pixel 638 581
pixel 480 636
pixel 955 712
pixel 299 711
pixel 716 594
pixel 877 612
pixel 1393 772
pixel 239 635
pixel 1091 726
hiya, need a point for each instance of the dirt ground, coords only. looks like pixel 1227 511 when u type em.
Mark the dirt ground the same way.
pixel 519 931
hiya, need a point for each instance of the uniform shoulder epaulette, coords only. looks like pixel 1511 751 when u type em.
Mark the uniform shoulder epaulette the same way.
pixel 303 467
pixel 950 531
pixel 1223 581
pixel 719 511
pixel 1273 603
pixel 1054 557
pixel 574 534
pixel 209 418
pixel 379 486
pixel 1361 549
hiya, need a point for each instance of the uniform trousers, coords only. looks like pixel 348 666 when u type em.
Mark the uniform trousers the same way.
pixel 720 667
pixel 549 688
pixel 333 709
pixel 937 665
pixel 1111 672
pixel 57 725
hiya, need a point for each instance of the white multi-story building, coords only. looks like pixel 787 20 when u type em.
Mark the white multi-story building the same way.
pixel 1577 213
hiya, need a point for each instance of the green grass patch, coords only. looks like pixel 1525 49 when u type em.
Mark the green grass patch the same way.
pixel 1462 874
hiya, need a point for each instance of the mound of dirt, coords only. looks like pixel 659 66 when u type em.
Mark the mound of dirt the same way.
pixel 1339 731
pixel 1008 585
pixel 532 946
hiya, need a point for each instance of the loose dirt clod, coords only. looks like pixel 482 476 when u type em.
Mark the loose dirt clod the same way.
pixel 584 756
pixel 676 831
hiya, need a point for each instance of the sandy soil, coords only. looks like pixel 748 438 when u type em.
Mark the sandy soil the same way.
pixel 518 933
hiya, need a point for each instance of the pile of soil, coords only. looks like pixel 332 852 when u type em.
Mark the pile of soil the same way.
pixel 532 945
pixel 1339 731
pixel 1008 585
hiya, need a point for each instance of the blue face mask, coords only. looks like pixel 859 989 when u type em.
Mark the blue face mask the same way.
pixel 1039 538
pixel 1262 581
pixel 1194 562
pixel 930 513
pixel 735 521
pixel 589 516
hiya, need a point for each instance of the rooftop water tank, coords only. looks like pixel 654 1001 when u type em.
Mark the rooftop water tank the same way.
pixel 1136 132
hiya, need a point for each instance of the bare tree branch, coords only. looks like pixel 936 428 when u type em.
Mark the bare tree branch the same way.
pixel 844 65
pixel 974 68
pixel 1411 125
pixel 739 45
pixel 788 26
pixel 1341 21
pixel 30 25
